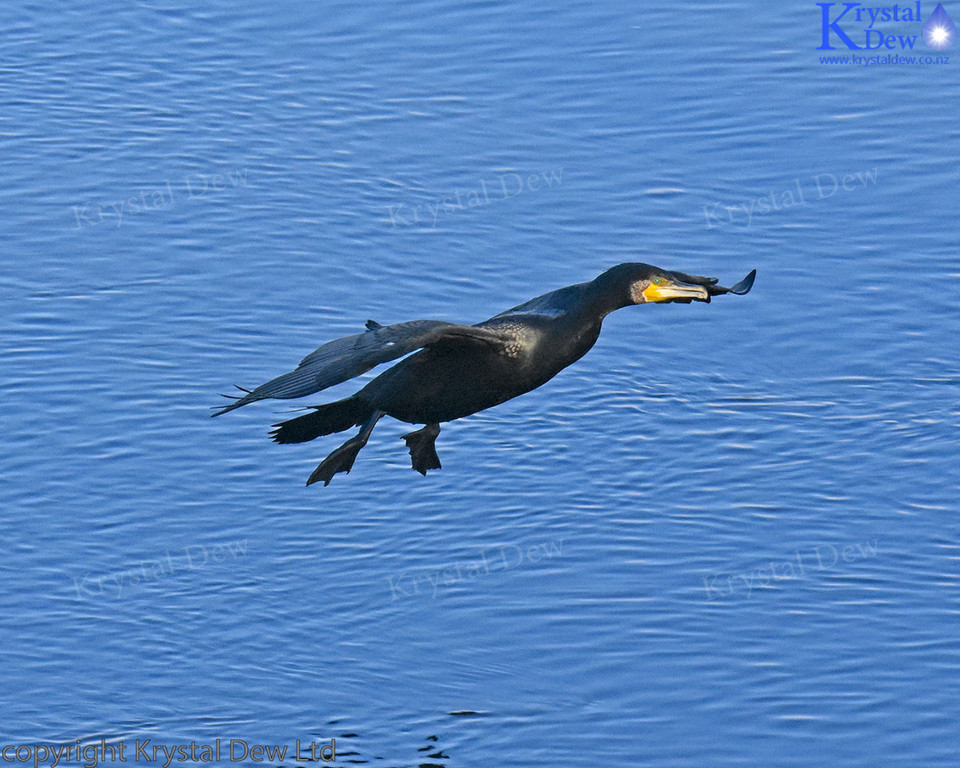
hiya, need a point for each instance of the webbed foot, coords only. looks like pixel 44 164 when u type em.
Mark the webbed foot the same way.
pixel 423 450
pixel 341 460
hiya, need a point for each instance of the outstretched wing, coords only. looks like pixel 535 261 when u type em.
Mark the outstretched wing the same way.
pixel 553 304
pixel 343 359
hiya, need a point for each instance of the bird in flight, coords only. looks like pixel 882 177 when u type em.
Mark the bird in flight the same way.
pixel 457 370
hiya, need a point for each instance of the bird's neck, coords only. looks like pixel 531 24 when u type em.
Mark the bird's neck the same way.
pixel 603 296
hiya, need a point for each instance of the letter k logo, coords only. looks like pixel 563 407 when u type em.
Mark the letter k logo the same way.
pixel 827 25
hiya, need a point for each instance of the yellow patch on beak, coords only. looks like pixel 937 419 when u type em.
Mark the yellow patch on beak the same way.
pixel 666 290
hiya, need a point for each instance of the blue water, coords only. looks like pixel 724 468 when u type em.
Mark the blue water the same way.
pixel 726 537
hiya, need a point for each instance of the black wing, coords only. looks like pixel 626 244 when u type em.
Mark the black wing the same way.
pixel 343 359
pixel 553 304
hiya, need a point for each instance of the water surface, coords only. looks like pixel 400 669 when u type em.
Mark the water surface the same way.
pixel 727 536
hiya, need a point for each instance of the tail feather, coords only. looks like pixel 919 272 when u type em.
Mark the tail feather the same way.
pixel 325 420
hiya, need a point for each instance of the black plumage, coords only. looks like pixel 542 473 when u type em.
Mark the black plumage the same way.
pixel 456 370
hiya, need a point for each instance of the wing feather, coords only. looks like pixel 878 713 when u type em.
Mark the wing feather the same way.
pixel 343 359
pixel 553 304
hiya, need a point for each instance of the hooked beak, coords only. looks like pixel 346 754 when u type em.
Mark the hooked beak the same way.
pixel 674 289
pixel 708 286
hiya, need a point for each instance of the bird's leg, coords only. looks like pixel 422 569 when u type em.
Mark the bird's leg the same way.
pixel 423 451
pixel 341 460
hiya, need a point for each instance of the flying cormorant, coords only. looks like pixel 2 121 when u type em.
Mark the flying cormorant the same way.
pixel 462 369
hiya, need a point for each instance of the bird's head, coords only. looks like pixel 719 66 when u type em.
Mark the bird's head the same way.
pixel 636 283
pixel 646 284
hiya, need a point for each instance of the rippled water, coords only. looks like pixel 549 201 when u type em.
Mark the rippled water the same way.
pixel 727 536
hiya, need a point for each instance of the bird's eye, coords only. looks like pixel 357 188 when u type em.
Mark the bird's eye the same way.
pixel 656 281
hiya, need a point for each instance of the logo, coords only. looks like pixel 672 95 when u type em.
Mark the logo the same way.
pixel 939 31
pixel 860 27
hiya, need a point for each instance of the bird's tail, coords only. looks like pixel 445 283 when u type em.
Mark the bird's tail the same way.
pixel 325 420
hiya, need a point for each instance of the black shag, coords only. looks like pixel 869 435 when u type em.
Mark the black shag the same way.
pixel 462 369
